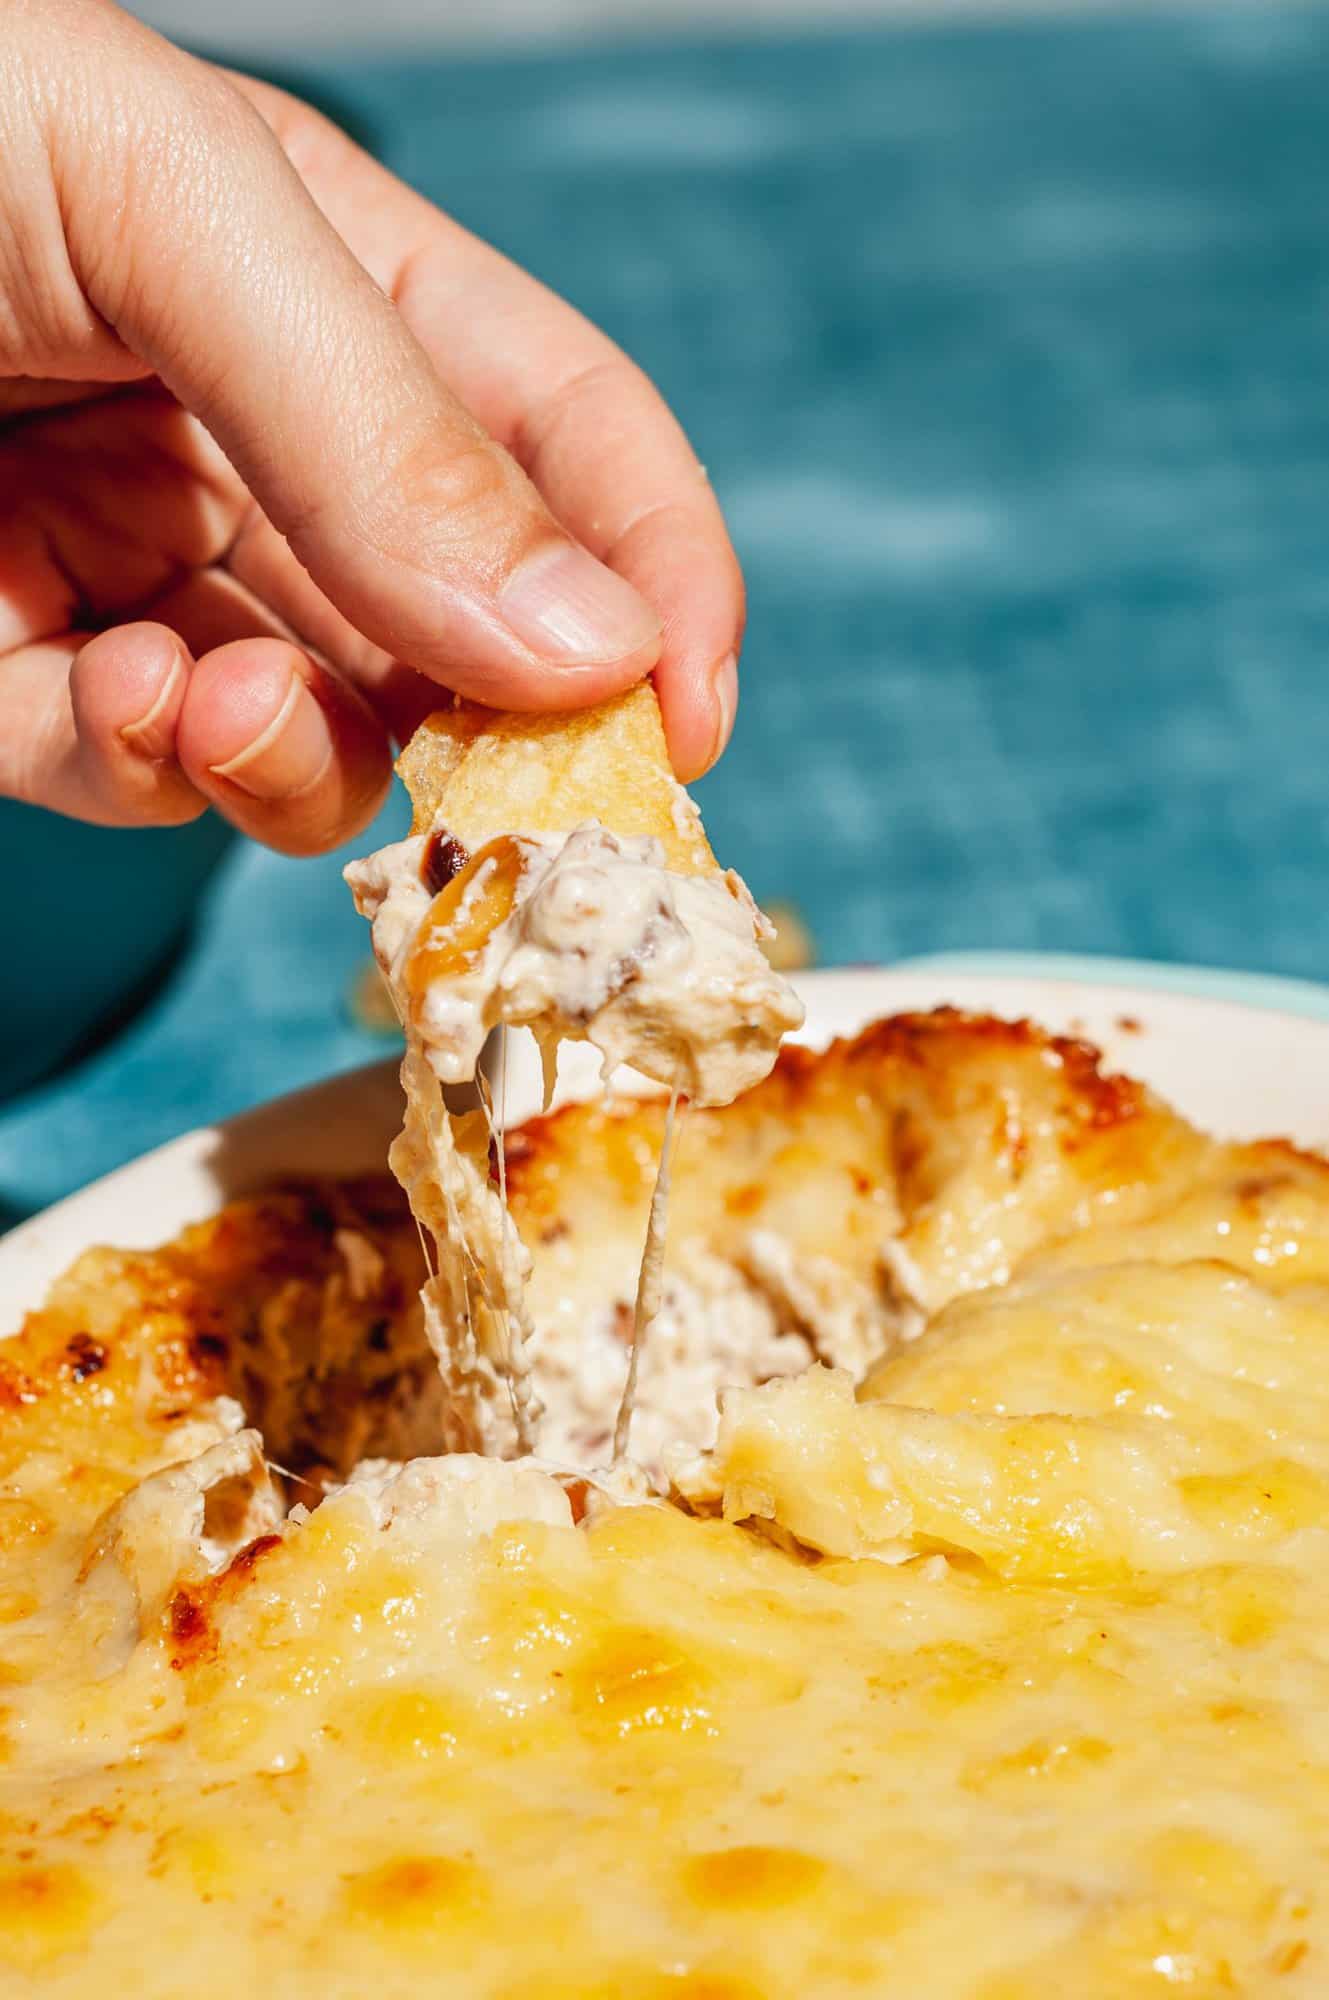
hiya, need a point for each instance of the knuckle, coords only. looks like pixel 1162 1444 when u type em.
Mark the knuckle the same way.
pixel 609 383
pixel 471 504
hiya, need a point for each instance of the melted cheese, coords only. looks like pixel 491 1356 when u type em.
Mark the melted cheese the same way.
pixel 581 936
pixel 577 936
pixel 1004 1674
pixel 473 1295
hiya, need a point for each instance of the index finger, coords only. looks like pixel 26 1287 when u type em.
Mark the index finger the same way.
pixel 607 455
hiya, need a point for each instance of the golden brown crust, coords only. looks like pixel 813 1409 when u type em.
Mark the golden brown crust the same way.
pixel 871 1139
pixel 300 1303
pixel 901 1168
pixel 191 1612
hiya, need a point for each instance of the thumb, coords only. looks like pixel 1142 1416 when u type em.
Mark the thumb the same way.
pixel 198 244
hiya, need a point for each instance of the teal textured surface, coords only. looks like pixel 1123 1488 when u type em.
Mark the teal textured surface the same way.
pixel 1007 349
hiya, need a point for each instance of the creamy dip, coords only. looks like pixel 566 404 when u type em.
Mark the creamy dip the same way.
pixel 601 943
pixel 583 936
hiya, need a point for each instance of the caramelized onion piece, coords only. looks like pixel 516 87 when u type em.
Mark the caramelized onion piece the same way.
pixel 464 915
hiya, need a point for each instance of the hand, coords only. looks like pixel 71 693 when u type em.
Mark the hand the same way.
pixel 283 450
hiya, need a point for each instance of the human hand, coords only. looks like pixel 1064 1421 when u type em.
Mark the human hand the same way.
pixel 283 450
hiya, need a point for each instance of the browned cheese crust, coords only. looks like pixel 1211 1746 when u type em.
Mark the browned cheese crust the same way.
pixel 926 1157
pixel 300 1304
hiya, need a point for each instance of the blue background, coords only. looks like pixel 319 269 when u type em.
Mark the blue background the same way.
pixel 1007 348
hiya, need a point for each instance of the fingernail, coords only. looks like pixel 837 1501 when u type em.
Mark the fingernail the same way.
pixel 565 605
pixel 289 756
pixel 724 688
pixel 153 735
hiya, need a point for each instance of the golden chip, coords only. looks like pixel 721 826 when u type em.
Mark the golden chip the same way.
pixel 478 772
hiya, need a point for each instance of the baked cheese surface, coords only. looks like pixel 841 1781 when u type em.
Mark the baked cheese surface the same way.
pixel 991 1662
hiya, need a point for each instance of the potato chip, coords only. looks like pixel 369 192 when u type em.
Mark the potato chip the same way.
pixel 479 772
